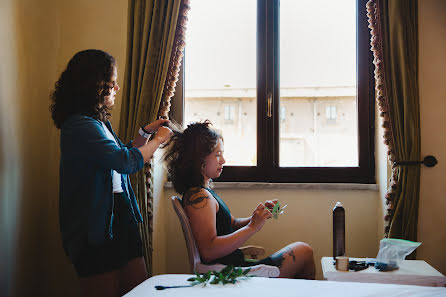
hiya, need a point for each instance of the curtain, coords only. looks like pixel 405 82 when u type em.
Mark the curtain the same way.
pixel 155 33
pixel 394 42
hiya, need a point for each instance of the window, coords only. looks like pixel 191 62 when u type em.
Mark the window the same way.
pixel 229 113
pixel 294 85
pixel 330 113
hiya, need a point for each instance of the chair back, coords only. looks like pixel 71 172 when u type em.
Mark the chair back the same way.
pixel 194 256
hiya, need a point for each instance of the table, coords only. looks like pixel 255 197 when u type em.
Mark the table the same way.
pixel 410 272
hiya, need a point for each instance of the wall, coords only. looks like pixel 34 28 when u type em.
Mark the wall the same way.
pixel 432 83
pixel 11 161
pixel 27 72
pixel 38 39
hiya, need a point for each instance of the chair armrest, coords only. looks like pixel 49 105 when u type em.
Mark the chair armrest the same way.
pixel 253 251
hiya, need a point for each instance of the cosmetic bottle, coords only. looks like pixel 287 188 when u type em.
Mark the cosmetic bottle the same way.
pixel 338 230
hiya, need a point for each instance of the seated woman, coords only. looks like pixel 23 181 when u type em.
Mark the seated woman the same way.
pixel 194 157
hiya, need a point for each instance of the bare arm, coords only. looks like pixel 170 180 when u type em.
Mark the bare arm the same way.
pixel 238 223
pixel 201 208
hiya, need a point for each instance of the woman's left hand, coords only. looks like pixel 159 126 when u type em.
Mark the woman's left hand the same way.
pixel 154 126
pixel 270 203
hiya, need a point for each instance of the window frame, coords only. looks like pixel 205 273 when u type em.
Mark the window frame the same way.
pixel 268 169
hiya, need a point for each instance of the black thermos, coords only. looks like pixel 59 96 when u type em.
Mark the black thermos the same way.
pixel 338 230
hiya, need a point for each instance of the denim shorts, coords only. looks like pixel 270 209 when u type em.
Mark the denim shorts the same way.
pixel 114 253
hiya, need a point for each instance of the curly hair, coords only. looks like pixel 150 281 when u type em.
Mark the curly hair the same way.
pixel 82 87
pixel 186 153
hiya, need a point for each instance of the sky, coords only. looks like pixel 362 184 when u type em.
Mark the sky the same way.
pixel 317 44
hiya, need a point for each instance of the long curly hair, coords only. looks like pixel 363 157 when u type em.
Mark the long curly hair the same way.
pixel 82 87
pixel 186 152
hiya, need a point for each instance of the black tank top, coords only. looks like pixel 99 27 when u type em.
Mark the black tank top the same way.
pixel 224 227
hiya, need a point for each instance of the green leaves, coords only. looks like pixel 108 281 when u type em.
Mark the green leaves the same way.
pixel 227 275
pixel 277 210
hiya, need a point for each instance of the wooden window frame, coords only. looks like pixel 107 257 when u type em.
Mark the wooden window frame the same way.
pixel 268 169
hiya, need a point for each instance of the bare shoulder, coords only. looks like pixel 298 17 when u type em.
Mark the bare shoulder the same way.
pixel 198 198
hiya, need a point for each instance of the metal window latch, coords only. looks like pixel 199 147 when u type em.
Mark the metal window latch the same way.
pixel 269 112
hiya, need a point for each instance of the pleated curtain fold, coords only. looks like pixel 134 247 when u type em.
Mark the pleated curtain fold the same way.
pixel 152 44
pixel 394 30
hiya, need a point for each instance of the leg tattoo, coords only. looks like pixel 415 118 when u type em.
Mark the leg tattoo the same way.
pixel 291 253
pixel 279 257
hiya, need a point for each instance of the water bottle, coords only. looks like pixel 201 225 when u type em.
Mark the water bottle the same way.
pixel 338 230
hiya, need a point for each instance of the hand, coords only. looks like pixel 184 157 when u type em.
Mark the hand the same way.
pixel 163 134
pixel 270 203
pixel 259 217
pixel 154 126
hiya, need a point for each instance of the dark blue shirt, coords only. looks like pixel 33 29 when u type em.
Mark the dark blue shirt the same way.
pixel 87 161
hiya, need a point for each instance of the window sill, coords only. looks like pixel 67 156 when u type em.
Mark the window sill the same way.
pixel 297 186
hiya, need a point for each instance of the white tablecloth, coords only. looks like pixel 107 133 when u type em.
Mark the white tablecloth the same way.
pixel 269 287
pixel 410 272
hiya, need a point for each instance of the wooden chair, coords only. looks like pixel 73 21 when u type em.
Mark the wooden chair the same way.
pixel 194 256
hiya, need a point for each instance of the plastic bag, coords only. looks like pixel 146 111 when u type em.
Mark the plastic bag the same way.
pixel 392 252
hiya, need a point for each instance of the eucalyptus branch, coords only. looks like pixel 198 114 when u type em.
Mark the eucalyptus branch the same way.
pixel 277 210
pixel 227 275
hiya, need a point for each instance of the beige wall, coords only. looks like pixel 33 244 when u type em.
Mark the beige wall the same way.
pixel 11 160
pixel 432 82
pixel 37 40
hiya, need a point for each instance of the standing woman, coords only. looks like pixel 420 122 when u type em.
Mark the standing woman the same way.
pixel 98 211
pixel 195 157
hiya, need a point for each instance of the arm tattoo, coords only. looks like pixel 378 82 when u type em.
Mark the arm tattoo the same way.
pixel 198 201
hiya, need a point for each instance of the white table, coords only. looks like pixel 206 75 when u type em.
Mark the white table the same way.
pixel 410 272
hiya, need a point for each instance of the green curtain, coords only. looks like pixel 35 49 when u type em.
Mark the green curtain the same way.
pixel 150 38
pixel 396 61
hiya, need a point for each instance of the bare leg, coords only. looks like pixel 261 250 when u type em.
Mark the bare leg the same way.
pixel 295 261
pixel 106 284
pixel 132 274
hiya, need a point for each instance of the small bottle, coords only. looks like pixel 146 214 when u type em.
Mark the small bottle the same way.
pixel 338 230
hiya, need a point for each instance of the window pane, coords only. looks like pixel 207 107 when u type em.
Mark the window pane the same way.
pixel 220 73
pixel 318 83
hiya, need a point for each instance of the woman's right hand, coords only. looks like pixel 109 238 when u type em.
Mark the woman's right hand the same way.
pixel 163 134
pixel 259 217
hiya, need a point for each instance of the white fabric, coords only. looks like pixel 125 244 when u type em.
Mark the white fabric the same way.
pixel 117 185
pixel 410 272
pixel 143 134
pixel 272 287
